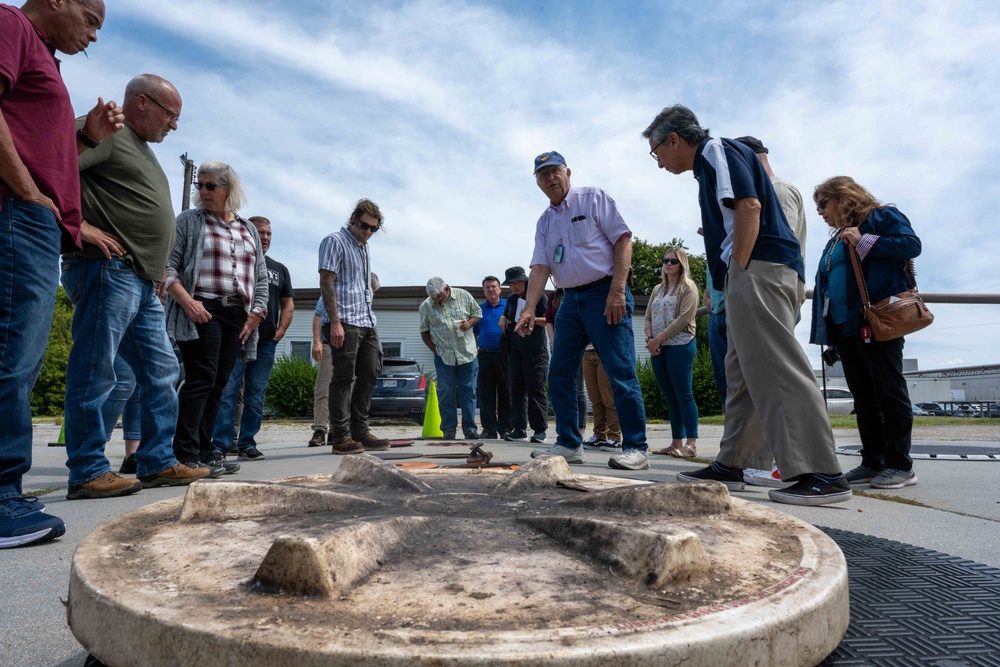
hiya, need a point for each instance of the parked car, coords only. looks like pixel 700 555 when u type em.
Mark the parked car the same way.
pixel 919 411
pixel 935 409
pixel 994 411
pixel 964 410
pixel 401 390
pixel 839 401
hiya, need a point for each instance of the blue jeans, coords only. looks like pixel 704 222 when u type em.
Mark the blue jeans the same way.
pixel 581 320
pixel 673 368
pixel 116 313
pixel 123 402
pixel 253 377
pixel 29 275
pixel 717 347
pixel 461 378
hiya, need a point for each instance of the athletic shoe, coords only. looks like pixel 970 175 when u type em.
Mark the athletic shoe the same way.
pixel 571 455
pixel 177 475
pixel 347 446
pixel 488 435
pixel 611 446
pixel 538 437
pixel 251 453
pixel 630 459
pixel 861 475
pixel 129 465
pixel 890 478
pixel 516 435
pixel 771 478
pixel 731 477
pixel 219 462
pixel 372 443
pixel 814 489
pixel 213 473
pixel 22 521
pixel 318 439
pixel 108 485
pixel 593 443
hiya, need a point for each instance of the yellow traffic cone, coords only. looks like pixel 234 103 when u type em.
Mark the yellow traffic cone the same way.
pixel 432 415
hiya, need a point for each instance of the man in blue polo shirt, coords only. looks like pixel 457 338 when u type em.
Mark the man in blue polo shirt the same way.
pixel 773 403
pixel 494 393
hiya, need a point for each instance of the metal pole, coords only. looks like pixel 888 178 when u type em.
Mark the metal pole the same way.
pixel 189 177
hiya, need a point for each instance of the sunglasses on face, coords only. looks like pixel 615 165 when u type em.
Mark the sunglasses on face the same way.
pixel 209 186
pixel 671 261
pixel 369 228
pixel 821 204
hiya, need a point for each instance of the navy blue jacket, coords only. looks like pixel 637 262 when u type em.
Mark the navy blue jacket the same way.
pixel 884 268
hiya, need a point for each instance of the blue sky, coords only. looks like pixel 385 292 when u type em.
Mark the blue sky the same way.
pixel 435 109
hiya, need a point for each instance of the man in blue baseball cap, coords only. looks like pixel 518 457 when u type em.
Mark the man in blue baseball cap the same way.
pixel 583 243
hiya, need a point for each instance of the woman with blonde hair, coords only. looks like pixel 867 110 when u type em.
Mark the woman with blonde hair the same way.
pixel 670 327
pixel 217 295
pixel 885 245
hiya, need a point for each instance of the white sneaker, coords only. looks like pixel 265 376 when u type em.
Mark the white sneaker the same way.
pixel 571 455
pixel 630 459
pixel 771 478
pixel 611 446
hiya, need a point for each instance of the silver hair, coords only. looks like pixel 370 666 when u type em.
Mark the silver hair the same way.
pixel 227 176
pixel 436 286
pixel 678 119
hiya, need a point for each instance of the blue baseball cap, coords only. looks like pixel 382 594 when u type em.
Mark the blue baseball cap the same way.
pixel 548 159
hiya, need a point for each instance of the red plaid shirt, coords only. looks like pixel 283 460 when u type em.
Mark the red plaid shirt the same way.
pixel 229 261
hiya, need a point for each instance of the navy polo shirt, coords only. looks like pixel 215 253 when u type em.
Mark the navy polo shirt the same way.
pixel 727 170
pixel 488 328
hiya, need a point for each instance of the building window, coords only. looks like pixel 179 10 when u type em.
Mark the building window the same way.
pixel 301 348
pixel 392 349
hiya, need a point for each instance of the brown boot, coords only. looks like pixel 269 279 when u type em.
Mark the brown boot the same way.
pixel 373 444
pixel 177 475
pixel 108 485
pixel 347 445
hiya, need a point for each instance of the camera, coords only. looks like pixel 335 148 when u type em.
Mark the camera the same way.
pixel 831 356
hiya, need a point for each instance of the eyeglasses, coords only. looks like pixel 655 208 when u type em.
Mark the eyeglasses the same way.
pixel 671 260
pixel 821 204
pixel 369 228
pixel 172 116
pixel 653 154
pixel 209 186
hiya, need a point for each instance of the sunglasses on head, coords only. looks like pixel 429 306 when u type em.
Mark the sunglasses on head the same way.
pixel 209 186
pixel 671 260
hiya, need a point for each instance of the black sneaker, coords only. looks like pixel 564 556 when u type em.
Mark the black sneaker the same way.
pixel 448 435
pixel 129 465
pixel 861 475
pixel 731 477
pixel 318 439
pixel 471 435
pixel 516 435
pixel 538 437
pixel 213 471
pixel 250 453
pixel 488 435
pixel 815 489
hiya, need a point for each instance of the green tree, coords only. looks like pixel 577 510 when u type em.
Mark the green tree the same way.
pixel 49 393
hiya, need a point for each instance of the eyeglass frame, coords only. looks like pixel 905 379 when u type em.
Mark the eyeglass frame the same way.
pixel 172 116
pixel 673 261
pixel 211 187
pixel 821 204
pixel 653 154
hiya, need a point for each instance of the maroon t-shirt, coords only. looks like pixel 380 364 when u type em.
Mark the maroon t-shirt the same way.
pixel 39 114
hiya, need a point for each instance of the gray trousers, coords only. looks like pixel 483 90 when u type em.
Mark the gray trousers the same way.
pixel 773 406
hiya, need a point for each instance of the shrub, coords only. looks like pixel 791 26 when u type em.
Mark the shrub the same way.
pixel 290 390
pixel 49 393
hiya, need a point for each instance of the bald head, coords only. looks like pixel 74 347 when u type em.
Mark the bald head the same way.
pixel 71 25
pixel 152 107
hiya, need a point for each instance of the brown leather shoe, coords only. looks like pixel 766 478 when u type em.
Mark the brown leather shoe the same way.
pixel 373 444
pixel 347 445
pixel 108 485
pixel 177 475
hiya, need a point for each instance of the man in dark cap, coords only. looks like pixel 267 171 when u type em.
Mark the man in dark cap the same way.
pixel 528 363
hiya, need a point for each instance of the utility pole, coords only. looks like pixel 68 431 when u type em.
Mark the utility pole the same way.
pixel 189 177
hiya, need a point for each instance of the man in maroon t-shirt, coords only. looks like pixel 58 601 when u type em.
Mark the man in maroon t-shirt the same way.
pixel 39 216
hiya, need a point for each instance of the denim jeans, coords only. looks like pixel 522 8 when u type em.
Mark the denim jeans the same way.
pixel 123 402
pixel 116 313
pixel 581 320
pixel 29 275
pixel 452 379
pixel 717 347
pixel 673 368
pixel 253 377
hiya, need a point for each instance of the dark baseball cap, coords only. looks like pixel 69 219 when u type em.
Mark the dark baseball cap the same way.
pixel 753 143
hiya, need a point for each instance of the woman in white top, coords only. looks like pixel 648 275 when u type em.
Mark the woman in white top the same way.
pixel 670 327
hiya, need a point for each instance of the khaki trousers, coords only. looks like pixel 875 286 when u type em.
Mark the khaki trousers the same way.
pixel 321 391
pixel 602 400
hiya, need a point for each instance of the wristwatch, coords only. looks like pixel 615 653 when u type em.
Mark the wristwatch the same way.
pixel 85 140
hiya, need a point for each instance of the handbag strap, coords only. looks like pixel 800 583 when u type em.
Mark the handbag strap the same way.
pixel 859 276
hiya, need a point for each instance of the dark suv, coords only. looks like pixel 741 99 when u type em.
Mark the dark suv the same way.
pixel 401 390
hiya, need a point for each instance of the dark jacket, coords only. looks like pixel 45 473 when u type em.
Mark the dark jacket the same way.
pixel 884 268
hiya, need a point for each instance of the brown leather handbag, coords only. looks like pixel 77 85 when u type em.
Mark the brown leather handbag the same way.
pixel 894 316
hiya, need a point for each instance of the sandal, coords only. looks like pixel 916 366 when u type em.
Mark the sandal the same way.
pixel 680 452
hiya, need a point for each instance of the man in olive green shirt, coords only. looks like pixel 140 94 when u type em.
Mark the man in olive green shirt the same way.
pixel 128 233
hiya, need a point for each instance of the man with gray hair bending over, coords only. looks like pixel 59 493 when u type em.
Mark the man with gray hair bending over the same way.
pixel 447 317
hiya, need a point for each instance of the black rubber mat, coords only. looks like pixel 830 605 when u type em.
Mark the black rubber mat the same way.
pixel 941 452
pixel 916 607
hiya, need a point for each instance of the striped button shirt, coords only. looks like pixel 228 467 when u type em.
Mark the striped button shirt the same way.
pixel 455 347
pixel 341 254
pixel 229 260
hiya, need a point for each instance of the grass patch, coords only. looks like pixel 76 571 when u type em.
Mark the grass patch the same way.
pixel 39 492
pixel 891 498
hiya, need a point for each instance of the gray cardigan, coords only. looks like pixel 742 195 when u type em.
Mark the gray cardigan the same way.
pixel 185 265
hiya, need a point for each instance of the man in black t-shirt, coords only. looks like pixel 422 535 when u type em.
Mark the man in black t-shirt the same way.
pixel 528 363
pixel 253 376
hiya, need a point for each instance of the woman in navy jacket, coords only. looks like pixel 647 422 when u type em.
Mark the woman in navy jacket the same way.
pixel 885 242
